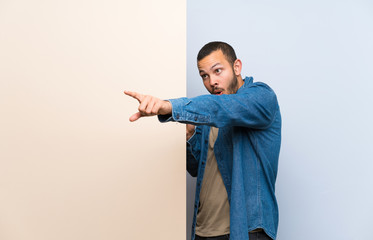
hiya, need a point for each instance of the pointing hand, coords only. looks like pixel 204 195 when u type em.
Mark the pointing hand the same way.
pixel 149 106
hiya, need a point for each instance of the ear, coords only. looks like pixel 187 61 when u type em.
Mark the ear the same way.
pixel 237 66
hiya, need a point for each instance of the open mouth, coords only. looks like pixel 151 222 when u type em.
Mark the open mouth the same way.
pixel 218 92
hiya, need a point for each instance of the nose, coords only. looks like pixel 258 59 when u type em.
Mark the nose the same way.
pixel 213 81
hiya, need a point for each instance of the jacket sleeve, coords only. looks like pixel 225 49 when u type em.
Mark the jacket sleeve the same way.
pixel 194 152
pixel 254 106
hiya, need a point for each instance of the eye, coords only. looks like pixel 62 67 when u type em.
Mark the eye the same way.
pixel 204 76
pixel 218 70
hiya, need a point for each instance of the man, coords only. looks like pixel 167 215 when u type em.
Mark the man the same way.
pixel 233 145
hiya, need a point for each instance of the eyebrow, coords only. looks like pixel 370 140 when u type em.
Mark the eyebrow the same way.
pixel 214 65
pixel 200 71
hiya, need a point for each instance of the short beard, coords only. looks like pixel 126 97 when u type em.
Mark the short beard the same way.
pixel 233 87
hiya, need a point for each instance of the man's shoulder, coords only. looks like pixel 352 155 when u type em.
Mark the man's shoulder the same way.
pixel 257 86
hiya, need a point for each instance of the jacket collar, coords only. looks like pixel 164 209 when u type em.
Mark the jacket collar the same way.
pixel 247 82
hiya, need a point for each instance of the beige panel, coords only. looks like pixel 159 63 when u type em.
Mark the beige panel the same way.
pixel 71 164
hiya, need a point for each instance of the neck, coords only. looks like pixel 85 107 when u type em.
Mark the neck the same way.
pixel 240 81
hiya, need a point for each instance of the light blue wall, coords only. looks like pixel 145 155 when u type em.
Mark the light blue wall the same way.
pixel 318 57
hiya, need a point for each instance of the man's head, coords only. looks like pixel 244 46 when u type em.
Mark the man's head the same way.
pixel 219 68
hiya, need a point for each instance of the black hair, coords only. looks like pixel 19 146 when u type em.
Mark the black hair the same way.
pixel 210 47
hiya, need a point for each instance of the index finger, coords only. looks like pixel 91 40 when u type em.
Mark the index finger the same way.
pixel 136 95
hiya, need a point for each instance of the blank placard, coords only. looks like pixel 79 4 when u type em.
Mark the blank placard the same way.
pixel 72 166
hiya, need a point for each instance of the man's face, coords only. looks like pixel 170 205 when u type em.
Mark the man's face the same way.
pixel 217 74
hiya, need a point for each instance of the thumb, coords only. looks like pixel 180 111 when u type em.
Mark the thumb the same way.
pixel 135 116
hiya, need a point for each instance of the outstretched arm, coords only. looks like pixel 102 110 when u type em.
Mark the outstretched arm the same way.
pixel 254 107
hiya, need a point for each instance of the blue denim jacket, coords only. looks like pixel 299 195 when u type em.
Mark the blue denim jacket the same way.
pixel 246 150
